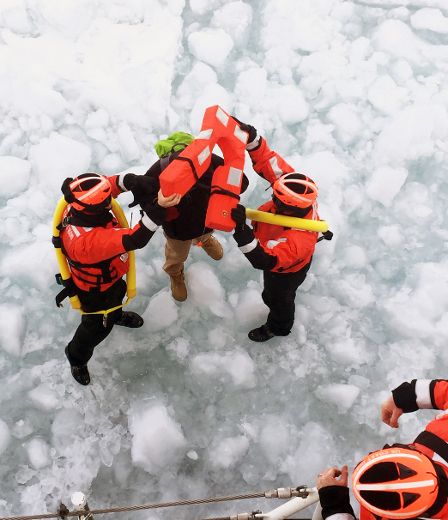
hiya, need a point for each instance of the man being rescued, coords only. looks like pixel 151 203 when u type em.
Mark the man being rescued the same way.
pixel 184 223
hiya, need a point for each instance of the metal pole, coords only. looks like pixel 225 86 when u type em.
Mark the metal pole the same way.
pixel 292 506
pixel 79 501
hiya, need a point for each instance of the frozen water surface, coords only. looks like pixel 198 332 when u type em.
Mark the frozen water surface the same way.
pixel 352 92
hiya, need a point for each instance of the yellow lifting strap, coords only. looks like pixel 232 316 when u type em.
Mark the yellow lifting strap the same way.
pixel 320 226
pixel 64 269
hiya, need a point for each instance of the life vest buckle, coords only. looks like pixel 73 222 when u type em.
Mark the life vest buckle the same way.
pixel 65 222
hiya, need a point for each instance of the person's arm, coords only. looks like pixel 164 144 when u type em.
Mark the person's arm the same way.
pixel 141 234
pixel 154 172
pixel 411 396
pixel 248 244
pixel 117 183
pixel 143 187
pixel 267 163
pixel 422 393
pixel 104 243
pixel 334 494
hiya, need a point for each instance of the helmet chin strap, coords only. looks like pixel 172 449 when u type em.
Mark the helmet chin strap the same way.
pixel 66 191
pixel 85 219
pixel 291 211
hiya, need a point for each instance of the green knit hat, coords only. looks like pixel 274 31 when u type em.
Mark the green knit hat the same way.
pixel 173 143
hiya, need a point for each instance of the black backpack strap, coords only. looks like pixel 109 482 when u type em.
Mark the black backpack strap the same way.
pixel 68 290
pixel 222 191
pixel 440 447
pixel 164 161
pixel 434 443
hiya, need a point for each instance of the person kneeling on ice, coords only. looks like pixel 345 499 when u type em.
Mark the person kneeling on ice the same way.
pixel 96 250
pixel 184 224
pixel 404 481
pixel 283 254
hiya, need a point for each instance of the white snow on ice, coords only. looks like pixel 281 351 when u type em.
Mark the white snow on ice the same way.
pixel 352 93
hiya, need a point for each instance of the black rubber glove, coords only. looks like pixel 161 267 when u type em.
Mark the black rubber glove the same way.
pixel 244 184
pixel 155 212
pixel 251 130
pixel 239 215
pixel 142 187
pixel 243 233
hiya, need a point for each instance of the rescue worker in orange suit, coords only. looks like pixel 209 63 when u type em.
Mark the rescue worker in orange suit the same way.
pixel 283 254
pixel 96 250
pixel 184 223
pixel 402 481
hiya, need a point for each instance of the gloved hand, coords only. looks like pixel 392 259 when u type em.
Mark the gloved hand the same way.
pixel 239 215
pixel 253 138
pixel 155 212
pixel 244 183
pixel 143 188
pixel 243 234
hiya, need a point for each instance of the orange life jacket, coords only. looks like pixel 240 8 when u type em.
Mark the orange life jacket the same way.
pixel 218 128
pixel 294 248
pixel 80 243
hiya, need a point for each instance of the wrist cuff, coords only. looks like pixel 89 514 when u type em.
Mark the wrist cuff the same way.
pixel 423 393
pixel 253 144
pixel 247 248
pixel 405 398
pixel 120 182
pixel 335 500
pixel 340 516
pixel 148 223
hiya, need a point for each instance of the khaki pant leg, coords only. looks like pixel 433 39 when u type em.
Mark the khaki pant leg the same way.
pixel 202 238
pixel 176 252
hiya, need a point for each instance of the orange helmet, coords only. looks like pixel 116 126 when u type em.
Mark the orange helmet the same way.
pixel 295 189
pixel 396 483
pixel 88 192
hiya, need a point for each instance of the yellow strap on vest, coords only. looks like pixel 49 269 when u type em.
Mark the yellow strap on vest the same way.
pixel 283 220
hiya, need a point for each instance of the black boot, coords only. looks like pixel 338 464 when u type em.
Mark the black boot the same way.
pixel 260 334
pixel 79 372
pixel 130 319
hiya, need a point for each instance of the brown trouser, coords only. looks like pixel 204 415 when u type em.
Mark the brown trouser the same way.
pixel 176 252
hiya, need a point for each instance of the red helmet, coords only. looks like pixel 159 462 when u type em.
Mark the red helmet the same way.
pixel 295 189
pixel 89 191
pixel 396 483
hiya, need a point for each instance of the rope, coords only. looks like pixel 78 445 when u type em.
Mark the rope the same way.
pixel 137 507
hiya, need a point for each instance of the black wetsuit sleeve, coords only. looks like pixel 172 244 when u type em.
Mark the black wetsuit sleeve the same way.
pixel 140 234
pixel 335 500
pixel 405 397
pixel 260 259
